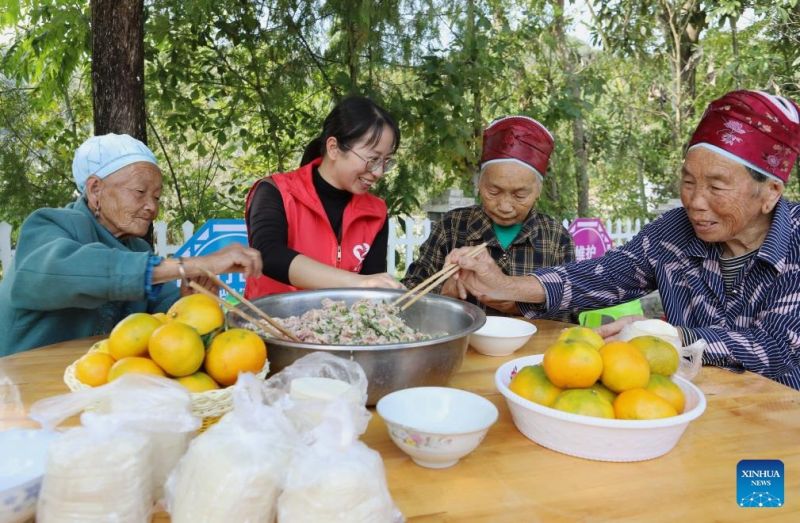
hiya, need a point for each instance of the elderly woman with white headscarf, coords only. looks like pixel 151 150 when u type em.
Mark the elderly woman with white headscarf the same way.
pixel 727 263
pixel 80 269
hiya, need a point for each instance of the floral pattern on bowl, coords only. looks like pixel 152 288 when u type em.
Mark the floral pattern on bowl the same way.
pixel 19 504
pixel 421 441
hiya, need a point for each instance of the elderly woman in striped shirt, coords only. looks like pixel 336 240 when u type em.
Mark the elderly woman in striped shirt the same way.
pixel 727 264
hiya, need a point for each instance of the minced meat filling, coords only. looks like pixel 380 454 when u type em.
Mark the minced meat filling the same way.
pixel 365 322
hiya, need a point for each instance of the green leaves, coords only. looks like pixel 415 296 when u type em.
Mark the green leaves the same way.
pixel 235 89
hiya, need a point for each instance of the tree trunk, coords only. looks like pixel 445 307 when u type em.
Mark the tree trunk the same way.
pixel 689 45
pixel 118 67
pixel 471 51
pixel 578 125
pixel 733 20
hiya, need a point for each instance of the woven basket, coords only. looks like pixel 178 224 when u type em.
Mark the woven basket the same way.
pixel 210 406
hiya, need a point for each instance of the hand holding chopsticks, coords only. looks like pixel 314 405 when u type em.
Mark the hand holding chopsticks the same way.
pixel 409 298
pixel 264 316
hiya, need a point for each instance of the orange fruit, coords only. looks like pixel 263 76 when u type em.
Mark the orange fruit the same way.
pixel 572 365
pixel 101 346
pixel 177 348
pixel 134 364
pixel 668 390
pixel 161 316
pixel 584 334
pixel 129 337
pixel 92 369
pixel 624 367
pixel 532 384
pixel 198 382
pixel 232 352
pixel 661 355
pixel 586 402
pixel 198 311
pixel 604 392
pixel 642 404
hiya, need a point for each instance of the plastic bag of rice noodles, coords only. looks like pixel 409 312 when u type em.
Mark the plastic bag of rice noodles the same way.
pixel 112 467
pixel 234 470
pixel 315 381
pixel 336 478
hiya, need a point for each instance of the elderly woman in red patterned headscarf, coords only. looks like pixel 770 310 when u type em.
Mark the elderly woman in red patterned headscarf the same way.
pixel 727 264
pixel 516 150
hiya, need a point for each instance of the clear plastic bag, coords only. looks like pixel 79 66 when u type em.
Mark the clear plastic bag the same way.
pixel 113 467
pixel 336 478
pixel 306 409
pixel 234 471
pixel 691 360
pixel 12 410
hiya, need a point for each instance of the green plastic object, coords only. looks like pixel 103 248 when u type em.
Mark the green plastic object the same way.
pixel 599 317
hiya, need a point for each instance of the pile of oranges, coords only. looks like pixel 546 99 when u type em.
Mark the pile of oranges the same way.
pixel 186 343
pixel 582 374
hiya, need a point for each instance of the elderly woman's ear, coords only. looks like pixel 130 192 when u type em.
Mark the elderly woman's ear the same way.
pixel 94 187
pixel 774 191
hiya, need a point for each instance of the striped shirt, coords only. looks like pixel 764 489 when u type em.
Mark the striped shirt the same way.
pixel 542 242
pixel 732 267
pixel 754 327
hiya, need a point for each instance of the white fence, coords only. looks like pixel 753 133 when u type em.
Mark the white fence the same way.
pixel 405 236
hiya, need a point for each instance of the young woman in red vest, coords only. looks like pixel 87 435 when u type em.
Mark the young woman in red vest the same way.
pixel 318 226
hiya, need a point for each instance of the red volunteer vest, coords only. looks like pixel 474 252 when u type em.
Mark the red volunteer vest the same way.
pixel 310 231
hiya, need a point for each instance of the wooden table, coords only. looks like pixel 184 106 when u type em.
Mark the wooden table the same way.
pixel 511 479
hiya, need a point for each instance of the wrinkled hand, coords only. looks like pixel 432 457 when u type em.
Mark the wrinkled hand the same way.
pixel 453 288
pixel 379 281
pixel 232 258
pixel 479 275
pixel 203 281
pixel 614 328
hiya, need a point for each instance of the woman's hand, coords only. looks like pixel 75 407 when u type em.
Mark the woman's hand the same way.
pixel 232 258
pixel 479 275
pixel 379 281
pixel 203 281
pixel 614 328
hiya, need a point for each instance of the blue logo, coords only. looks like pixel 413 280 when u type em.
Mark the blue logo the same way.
pixel 213 236
pixel 759 483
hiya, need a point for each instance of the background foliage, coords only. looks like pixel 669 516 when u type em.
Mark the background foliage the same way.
pixel 235 88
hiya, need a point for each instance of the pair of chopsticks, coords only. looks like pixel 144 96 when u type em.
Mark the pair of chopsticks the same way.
pixel 265 321
pixel 432 282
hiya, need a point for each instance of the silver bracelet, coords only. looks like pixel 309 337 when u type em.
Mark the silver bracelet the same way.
pixel 182 271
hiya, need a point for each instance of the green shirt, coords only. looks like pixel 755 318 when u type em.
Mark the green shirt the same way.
pixel 71 278
pixel 506 234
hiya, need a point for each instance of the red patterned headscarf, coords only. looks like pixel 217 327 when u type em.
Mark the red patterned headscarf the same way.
pixel 753 128
pixel 517 139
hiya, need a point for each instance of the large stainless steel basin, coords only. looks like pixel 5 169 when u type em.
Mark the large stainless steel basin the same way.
pixel 388 367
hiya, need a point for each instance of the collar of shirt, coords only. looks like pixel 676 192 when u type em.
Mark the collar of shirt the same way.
pixel 479 229
pixel 774 249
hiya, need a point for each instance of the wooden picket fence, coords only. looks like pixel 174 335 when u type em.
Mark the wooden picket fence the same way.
pixel 406 234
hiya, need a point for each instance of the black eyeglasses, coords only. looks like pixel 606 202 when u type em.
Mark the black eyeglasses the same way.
pixel 377 164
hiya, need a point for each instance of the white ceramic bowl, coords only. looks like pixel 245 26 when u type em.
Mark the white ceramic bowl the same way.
pixel 501 336
pixel 23 454
pixel 597 438
pixel 436 426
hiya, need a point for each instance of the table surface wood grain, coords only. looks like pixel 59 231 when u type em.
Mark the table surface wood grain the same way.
pixel 508 478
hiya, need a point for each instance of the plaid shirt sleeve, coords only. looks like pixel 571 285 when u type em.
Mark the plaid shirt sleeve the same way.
pixel 432 254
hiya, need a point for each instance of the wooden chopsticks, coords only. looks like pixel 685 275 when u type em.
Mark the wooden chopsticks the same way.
pixel 255 321
pixel 263 315
pixel 432 282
